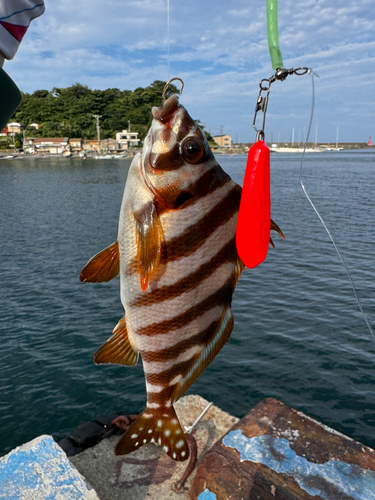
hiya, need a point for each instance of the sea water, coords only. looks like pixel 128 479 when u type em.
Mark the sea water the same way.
pixel 298 334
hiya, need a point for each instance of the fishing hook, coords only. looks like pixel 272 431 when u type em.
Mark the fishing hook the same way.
pixel 168 83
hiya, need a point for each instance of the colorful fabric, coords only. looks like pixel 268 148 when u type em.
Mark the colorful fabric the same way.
pixel 15 18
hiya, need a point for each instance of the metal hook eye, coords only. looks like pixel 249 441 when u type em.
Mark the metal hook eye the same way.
pixel 262 87
pixel 300 71
pixel 168 83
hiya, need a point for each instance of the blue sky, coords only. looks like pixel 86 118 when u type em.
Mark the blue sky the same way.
pixel 219 49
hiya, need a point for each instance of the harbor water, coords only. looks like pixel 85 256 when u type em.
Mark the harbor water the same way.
pixel 298 334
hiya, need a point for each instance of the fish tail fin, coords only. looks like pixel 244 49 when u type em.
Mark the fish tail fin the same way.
pixel 161 428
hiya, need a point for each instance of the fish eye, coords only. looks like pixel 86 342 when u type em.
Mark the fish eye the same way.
pixel 192 150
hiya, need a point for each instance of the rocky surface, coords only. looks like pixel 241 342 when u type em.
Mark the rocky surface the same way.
pixel 278 453
pixel 40 470
pixel 148 472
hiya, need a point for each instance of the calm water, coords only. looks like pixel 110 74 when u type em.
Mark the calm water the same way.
pixel 298 333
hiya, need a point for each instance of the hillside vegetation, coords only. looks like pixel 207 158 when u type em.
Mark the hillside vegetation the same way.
pixel 68 112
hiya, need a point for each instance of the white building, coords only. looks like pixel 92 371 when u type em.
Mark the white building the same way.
pixel 126 140
pixel 14 128
pixel 52 145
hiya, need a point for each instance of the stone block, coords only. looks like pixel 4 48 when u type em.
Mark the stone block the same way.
pixel 276 452
pixel 40 470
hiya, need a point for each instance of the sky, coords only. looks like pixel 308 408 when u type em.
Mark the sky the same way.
pixel 220 51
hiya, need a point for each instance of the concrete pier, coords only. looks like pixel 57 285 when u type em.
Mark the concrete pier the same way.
pixel 149 472
pixel 274 452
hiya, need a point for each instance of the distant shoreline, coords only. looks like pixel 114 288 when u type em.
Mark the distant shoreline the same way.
pixel 237 149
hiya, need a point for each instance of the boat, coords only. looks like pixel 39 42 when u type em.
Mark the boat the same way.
pixel 296 150
pixel 110 156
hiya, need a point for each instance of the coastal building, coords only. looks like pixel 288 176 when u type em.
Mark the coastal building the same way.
pixel 14 128
pixel 75 145
pixel 108 145
pixel 126 140
pixel 52 145
pixel 4 132
pixel 90 145
pixel 224 141
pixel 28 145
pixel 34 125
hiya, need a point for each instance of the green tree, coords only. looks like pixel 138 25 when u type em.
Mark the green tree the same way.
pixel 68 112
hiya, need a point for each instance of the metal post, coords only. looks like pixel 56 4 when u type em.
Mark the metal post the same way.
pixel 23 131
pixel 98 129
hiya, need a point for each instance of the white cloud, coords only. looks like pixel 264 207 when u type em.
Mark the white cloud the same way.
pixel 221 51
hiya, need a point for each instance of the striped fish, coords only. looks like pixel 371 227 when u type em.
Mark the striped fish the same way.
pixel 178 264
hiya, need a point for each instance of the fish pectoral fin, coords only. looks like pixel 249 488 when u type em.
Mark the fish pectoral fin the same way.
pixel 275 227
pixel 208 352
pixel 163 429
pixel 104 266
pixel 117 349
pixel 148 237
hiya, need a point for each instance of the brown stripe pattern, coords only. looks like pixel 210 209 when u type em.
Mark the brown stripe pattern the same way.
pixel 183 318
pixel 188 332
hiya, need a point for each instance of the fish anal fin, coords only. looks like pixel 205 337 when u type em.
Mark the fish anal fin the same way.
pixel 104 266
pixel 161 428
pixel 117 349
pixel 148 237
pixel 208 352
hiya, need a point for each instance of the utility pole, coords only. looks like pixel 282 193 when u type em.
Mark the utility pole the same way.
pixel 98 129
pixel 293 137
pixel 23 131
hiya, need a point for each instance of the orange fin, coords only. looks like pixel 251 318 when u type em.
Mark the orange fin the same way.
pixel 276 228
pixel 240 266
pixel 162 429
pixel 104 266
pixel 117 349
pixel 148 237
pixel 208 352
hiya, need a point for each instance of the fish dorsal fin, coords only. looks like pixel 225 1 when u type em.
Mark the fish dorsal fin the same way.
pixel 148 237
pixel 117 349
pixel 163 429
pixel 208 352
pixel 104 266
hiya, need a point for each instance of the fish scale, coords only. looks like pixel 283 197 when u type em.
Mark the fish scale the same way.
pixel 178 266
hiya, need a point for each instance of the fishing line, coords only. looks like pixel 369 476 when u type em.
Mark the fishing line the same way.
pixel 168 39
pixel 318 214
pixel 281 73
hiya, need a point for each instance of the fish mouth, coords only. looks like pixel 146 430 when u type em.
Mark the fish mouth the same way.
pixel 167 110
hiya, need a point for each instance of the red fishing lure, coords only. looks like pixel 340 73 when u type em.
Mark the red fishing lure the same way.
pixel 254 217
